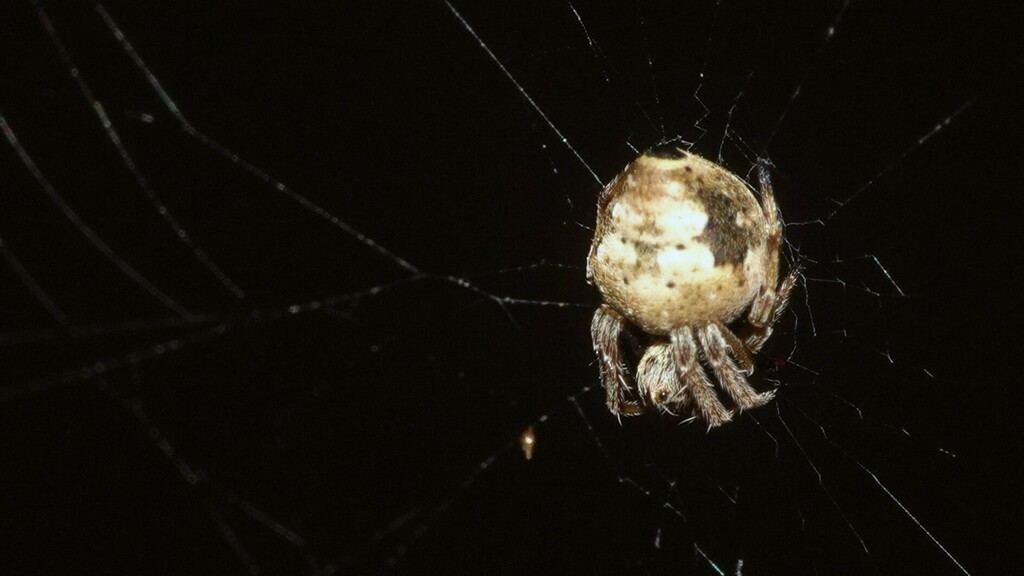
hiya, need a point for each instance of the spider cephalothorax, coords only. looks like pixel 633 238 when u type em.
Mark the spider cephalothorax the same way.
pixel 684 252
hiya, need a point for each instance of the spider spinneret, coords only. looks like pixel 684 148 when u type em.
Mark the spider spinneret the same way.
pixel 684 252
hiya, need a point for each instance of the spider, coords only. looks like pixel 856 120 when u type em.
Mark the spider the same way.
pixel 682 249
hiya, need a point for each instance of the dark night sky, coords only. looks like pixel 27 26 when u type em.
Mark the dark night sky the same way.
pixel 382 427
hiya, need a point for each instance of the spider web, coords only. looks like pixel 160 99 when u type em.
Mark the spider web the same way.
pixel 286 287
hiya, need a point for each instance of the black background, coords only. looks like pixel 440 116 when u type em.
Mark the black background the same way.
pixel 383 429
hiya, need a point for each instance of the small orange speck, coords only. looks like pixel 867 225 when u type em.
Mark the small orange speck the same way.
pixel 527 440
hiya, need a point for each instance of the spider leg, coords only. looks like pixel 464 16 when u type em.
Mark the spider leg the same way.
pixel 606 329
pixel 782 294
pixel 771 300
pixel 688 369
pixel 717 349
pixel 766 318
pixel 739 349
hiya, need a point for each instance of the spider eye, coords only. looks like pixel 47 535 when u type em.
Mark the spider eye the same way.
pixel 662 396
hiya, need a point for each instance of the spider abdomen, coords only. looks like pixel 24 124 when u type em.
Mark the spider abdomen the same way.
pixel 680 241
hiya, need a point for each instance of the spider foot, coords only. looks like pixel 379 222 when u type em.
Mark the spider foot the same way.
pixel 622 407
pixel 755 400
pixel 707 404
